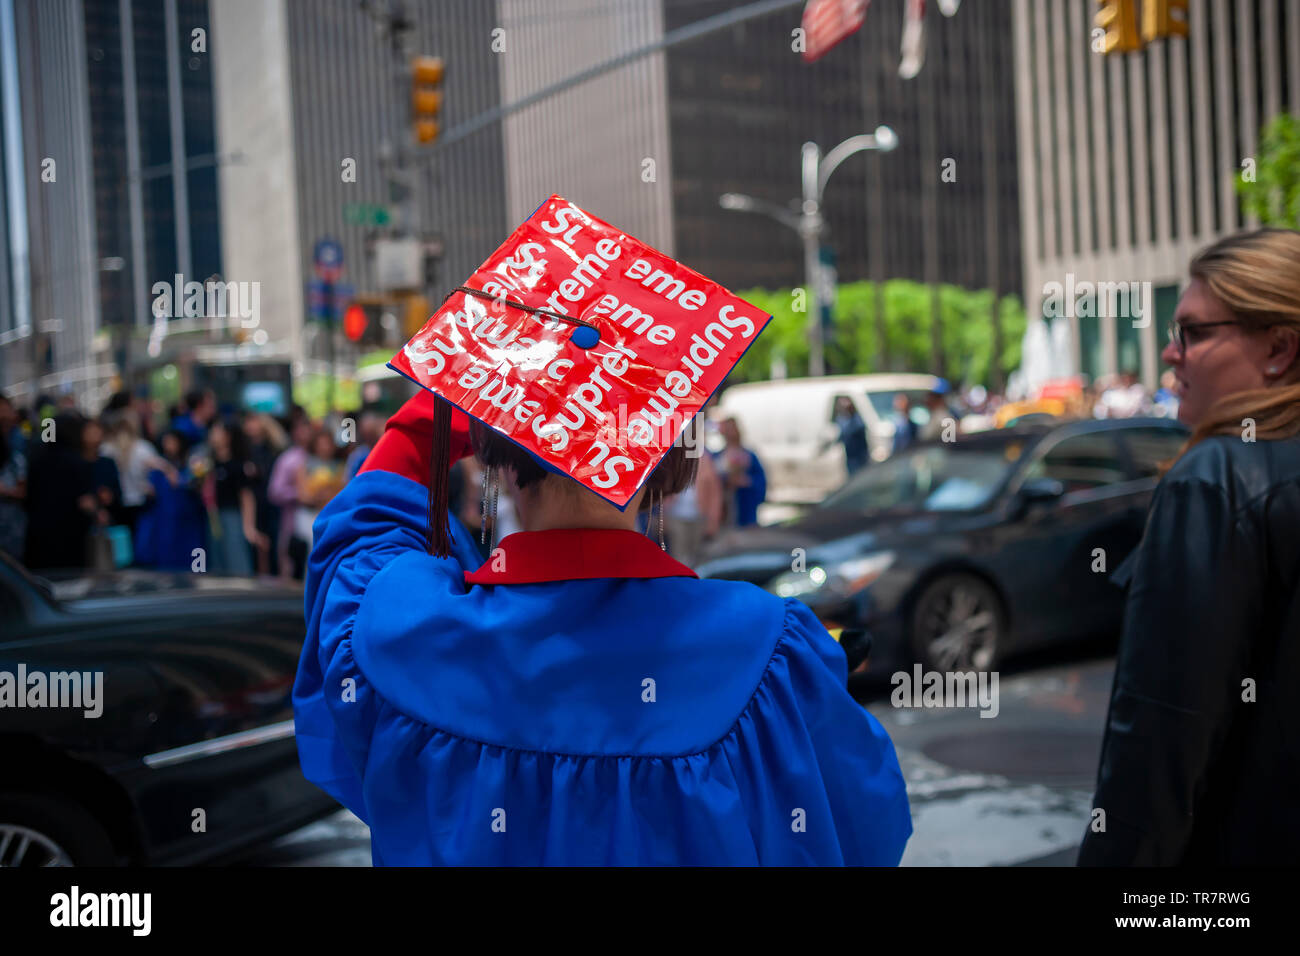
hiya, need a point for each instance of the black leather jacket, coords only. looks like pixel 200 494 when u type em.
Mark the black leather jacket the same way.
pixel 1201 758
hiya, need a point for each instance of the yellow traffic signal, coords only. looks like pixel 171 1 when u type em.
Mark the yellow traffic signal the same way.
pixel 426 98
pixel 417 313
pixel 1119 19
pixel 1158 21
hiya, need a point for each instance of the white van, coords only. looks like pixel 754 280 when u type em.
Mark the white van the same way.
pixel 789 424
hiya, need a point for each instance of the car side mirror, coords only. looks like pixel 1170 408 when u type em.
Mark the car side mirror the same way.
pixel 1041 490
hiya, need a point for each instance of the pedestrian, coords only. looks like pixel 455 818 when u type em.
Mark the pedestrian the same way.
pixel 938 413
pixel 135 458
pixel 61 502
pixel 580 697
pixel 1165 399
pixel 1200 764
pixel 233 537
pixel 695 513
pixel 200 409
pixel 320 478
pixel 370 428
pixel 852 434
pixel 264 440
pixel 170 532
pixel 504 686
pixel 11 425
pixel 13 491
pixel 282 491
pixel 107 489
pixel 905 428
pixel 1126 397
pixel 744 483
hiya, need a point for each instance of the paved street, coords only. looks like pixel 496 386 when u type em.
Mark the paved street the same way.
pixel 1011 790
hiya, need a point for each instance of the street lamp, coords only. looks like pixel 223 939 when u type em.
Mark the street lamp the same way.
pixel 809 223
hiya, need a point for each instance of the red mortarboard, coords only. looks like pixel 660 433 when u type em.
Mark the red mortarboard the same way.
pixel 588 348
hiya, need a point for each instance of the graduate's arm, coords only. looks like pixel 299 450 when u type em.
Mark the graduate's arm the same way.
pixel 380 516
pixel 863 782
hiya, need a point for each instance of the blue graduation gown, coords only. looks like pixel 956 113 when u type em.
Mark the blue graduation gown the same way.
pixel 580 699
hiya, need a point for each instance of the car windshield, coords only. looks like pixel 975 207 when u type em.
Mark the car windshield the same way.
pixel 938 477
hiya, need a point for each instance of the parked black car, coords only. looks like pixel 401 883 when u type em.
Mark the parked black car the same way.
pixel 192 755
pixel 956 555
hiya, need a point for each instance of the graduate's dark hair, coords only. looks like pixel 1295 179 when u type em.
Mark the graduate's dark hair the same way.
pixel 675 473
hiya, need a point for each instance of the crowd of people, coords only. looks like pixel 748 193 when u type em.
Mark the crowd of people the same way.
pixel 199 488
pixel 236 492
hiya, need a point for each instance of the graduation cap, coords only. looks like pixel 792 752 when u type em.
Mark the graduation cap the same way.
pixel 589 349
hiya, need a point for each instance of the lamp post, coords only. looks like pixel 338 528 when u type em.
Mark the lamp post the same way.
pixel 809 223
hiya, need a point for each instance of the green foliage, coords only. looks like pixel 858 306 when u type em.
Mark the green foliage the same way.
pixel 855 345
pixel 311 392
pixel 1274 196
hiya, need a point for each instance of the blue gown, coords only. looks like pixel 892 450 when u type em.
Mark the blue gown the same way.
pixel 581 699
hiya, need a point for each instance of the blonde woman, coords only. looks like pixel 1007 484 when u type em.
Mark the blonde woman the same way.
pixel 1201 758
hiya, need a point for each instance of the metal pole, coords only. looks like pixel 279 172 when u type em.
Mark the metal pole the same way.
pixel 810 228
pixel 329 330
pixel 176 110
pixel 134 189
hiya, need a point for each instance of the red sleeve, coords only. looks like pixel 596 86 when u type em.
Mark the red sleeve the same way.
pixel 407 445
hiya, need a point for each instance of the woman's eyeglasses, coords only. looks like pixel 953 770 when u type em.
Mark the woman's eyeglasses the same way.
pixel 1178 332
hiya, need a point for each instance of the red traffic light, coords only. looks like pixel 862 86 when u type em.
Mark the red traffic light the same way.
pixel 354 323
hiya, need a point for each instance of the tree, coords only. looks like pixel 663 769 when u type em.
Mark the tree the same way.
pixel 853 346
pixel 1273 191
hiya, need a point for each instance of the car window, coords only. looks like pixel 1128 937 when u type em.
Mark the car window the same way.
pixel 1081 462
pixel 941 477
pixel 883 403
pixel 1152 446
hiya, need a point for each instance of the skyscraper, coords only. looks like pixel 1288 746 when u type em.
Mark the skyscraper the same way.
pixel 115 98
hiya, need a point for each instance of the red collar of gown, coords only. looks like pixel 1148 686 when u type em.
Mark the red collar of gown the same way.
pixel 572 554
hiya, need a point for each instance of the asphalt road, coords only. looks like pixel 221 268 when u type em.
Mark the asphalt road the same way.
pixel 1010 790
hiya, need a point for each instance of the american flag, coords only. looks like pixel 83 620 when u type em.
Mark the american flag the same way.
pixel 827 22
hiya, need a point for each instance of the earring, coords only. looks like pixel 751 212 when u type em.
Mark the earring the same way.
pixel 496 492
pixel 1272 370
pixel 662 546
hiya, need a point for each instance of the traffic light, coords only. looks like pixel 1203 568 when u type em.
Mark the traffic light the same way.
pixel 384 320
pixel 426 97
pixel 355 322
pixel 363 320
pixel 417 312
pixel 1119 19
pixel 1158 21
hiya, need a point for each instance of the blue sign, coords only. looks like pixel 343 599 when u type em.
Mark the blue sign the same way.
pixel 325 300
pixel 327 259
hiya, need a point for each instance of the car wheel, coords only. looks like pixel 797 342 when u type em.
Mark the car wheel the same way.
pixel 958 625
pixel 48 830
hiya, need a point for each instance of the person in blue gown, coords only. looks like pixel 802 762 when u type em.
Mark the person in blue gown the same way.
pixel 581 698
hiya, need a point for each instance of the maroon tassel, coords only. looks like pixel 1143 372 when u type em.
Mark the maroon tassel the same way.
pixel 438 538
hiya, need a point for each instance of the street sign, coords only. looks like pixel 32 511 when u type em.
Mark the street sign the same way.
pixel 325 300
pixel 327 259
pixel 366 214
pixel 398 264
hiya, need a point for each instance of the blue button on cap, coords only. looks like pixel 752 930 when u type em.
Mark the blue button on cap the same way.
pixel 585 337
